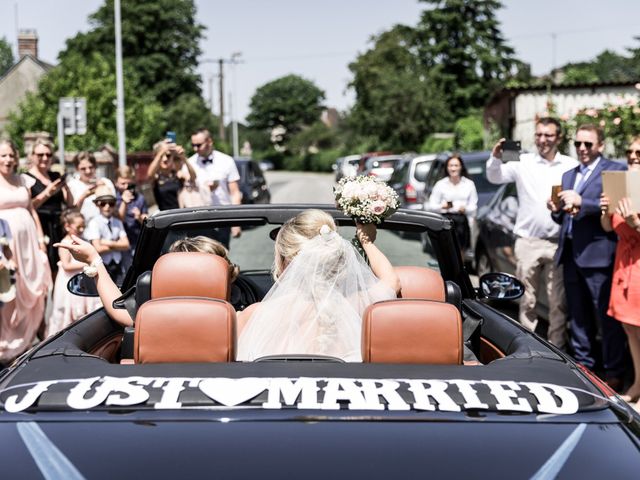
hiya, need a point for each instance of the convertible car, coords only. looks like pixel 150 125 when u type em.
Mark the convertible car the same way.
pixel 448 387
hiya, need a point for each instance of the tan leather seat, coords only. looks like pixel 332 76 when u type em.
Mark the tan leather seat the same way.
pixel 192 274
pixel 421 283
pixel 183 329
pixel 412 331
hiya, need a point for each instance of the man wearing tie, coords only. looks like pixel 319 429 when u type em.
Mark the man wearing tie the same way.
pixel 217 178
pixel 586 253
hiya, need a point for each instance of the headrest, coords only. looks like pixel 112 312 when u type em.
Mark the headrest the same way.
pixel 421 283
pixel 179 330
pixel 190 274
pixel 412 331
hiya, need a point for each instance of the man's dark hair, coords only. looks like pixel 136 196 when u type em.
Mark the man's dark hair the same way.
pixel 204 131
pixel 590 127
pixel 551 121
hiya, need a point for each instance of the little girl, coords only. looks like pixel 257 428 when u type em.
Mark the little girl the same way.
pixel 67 307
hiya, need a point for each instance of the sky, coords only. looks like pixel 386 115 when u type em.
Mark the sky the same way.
pixel 318 39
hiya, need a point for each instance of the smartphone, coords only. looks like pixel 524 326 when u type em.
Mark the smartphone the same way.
pixel 511 150
pixel 449 204
pixel 171 136
pixel 132 187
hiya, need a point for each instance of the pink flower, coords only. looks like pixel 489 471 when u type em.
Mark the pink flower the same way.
pixel 592 112
pixel 617 121
pixel 638 86
pixel 564 118
pixel 602 123
pixel 378 207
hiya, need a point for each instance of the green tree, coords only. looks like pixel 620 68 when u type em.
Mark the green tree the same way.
pixel 460 43
pixel 6 56
pixel 291 102
pixel 606 67
pixel 92 77
pixel 397 101
pixel 160 41
pixel 188 114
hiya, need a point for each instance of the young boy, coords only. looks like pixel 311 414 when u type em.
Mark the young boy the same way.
pixel 131 208
pixel 107 234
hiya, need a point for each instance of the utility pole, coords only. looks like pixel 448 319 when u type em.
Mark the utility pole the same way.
pixel 235 59
pixel 221 132
pixel 120 125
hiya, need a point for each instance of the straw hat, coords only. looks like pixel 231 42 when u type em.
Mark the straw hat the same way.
pixel 103 193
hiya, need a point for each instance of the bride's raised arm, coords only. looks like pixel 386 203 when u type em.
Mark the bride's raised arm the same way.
pixel 380 264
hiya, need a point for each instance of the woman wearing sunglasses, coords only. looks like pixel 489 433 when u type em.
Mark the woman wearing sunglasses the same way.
pixel 49 195
pixel 168 173
pixel 624 304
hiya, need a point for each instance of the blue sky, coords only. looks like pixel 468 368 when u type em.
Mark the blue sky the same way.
pixel 318 39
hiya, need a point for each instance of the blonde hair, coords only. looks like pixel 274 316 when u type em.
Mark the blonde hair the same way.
pixel 205 245
pixel 45 142
pixel 294 233
pixel 125 171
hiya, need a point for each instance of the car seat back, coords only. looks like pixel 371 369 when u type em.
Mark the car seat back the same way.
pixel 412 331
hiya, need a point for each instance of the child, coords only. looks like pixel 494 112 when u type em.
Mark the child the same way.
pixel 131 208
pixel 107 234
pixel 67 307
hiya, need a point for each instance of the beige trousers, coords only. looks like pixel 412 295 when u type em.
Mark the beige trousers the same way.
pixel 535 268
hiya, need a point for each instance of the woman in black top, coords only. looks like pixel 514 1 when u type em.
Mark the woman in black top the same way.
pixel 49 195
pixel 167 173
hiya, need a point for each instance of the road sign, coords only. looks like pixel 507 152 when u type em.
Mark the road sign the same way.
pixel 74 115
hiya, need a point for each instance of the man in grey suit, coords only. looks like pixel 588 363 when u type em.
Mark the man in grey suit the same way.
pixel 586 253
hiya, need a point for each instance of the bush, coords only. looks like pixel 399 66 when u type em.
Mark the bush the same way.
pixel 435 143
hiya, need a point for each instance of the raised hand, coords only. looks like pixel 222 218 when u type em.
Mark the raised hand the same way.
pixel 626 210
pixel 80 249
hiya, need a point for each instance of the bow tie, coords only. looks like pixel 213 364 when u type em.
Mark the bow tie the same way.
pixel 206 160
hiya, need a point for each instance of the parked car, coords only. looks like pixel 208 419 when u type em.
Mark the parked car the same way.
pixel 494 250
pixel 382 166
pixel 252 182
pixel 408 180
pixel 476 164
pixel 346 166
pixel 78 406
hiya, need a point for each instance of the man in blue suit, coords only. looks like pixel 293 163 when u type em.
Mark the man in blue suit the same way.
pixel 586 253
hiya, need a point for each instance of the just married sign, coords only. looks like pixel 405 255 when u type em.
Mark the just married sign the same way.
pixel 304 393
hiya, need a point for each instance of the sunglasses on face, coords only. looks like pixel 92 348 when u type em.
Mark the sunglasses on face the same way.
pixel 197 145
pixel 587 145
pixel 629 152
pixel 44 155
pixel 104 203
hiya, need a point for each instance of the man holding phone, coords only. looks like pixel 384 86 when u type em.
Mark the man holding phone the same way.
pixel 217 178
pixel 537 234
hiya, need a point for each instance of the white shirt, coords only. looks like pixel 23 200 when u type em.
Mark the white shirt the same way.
pixel 222 169
pixel 534 176
pixel 88 208
pixel 103 228
pixel 461 194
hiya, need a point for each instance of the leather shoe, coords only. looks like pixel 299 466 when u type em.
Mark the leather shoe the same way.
pixel 615 383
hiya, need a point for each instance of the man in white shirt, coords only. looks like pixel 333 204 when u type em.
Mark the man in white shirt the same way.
pixel 537 233
pixel 217 178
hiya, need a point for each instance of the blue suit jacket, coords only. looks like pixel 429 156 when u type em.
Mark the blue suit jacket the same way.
pixel 592 246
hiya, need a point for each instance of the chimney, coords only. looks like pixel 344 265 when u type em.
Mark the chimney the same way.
pixel 27 43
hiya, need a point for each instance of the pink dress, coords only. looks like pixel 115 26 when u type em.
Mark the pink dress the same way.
pixel 20 318
pixel 67 307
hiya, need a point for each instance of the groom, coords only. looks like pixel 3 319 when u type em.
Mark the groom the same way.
pixel 586 253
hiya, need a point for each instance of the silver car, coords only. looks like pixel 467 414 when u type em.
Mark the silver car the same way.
pixel 408 180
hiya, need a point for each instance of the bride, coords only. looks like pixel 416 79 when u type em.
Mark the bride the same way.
pixel 323 285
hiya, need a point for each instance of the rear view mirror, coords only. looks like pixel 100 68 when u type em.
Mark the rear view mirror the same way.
pixel 500 286
pixel 82 286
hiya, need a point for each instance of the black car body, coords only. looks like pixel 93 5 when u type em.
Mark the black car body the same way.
pixel 252 183
pixel 71 409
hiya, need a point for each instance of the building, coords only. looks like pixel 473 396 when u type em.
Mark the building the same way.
pixel 515 110
pixel 23 77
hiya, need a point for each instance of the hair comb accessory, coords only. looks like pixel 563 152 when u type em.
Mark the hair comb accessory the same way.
pixel 325 232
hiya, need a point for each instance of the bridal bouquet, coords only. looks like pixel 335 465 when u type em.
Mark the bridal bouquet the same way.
pixel 366 199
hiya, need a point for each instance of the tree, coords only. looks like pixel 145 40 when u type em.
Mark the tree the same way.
pixel 397 101
pixel 606 67
pixel 6 56
pixel 159 41
pixel 188 114
pixel 460 43
pixel 291 102
pixel 92 77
